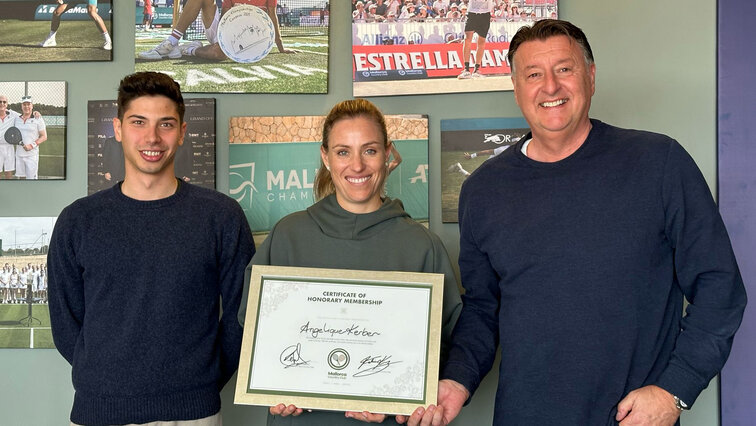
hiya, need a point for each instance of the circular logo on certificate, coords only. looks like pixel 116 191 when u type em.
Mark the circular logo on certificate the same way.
pixel 246 33
pixel 338 359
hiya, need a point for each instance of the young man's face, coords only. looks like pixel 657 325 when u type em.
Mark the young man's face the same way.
pixel 150 133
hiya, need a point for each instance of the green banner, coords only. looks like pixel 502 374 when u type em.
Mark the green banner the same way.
pixel 271 180
pixel 78 12
pixel 160 15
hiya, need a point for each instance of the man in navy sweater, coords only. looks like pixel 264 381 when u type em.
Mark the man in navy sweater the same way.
pixel 578 245
pixel 138 275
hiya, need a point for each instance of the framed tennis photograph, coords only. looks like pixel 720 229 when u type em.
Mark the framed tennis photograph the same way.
pixel 195 159
pixel 235 46
pixel 273 162
pixel 24 315
pixel 449 46
pixel 51 31
pixel 339 339
pixel 465 144
pixel 33 130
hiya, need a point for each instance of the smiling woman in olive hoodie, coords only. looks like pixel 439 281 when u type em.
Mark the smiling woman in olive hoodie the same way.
pixel 353 226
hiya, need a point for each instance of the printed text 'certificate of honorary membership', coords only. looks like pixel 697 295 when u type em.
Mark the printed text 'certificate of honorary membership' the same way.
pixel 341 340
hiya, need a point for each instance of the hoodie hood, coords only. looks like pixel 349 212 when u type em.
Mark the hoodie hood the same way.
pixel 336 222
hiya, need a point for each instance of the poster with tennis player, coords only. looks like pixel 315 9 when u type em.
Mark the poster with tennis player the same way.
pixel 466 143
pixel 236 46
pixel 32 130
pixel 56 31
pixel 449 46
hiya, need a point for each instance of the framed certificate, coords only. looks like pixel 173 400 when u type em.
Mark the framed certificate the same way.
pixel 340 339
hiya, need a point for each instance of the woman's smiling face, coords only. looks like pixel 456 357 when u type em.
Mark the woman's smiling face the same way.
pixel 356 158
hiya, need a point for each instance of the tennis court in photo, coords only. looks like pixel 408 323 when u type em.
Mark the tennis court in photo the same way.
pixel 304 71
pixel 26 24
pixel 23 325
pixel 14 333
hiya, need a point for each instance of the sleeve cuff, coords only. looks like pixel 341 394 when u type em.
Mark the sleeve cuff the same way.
pixel 461 374
pixel 681 383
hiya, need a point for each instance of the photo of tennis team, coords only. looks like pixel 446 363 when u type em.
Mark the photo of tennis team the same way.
pixel 24 316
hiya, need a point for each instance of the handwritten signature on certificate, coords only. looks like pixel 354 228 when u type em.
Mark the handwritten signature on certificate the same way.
pixel 292 356
pixel 373 365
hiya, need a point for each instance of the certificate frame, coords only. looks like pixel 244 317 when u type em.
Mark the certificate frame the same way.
pixel 254 364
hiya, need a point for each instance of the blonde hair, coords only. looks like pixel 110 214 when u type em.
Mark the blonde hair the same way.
pixel 323 185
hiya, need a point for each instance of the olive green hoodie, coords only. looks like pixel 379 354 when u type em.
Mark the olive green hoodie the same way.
pixel 327 236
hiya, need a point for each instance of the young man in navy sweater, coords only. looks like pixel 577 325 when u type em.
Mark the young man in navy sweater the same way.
pixel 138 275
pixel 577 260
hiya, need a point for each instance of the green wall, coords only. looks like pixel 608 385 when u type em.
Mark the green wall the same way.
pixel 655 71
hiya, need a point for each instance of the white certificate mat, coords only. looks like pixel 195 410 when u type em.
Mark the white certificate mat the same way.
pixel 341 340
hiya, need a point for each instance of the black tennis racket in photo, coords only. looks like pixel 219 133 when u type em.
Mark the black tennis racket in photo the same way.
pixel 13 136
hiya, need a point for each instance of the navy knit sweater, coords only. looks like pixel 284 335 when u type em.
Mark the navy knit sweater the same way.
pixel 578 268
pixel 135 295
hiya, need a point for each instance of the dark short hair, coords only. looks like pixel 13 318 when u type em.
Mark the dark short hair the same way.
pixel 547 28
pixel 149 83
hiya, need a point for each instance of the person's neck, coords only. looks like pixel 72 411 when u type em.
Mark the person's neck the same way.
pixel 550 148
pixel 26 116
pixel 149 188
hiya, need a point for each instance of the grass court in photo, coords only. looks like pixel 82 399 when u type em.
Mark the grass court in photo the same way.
pixel 52 154
pixel 14 334
pixel 77 41
pixel 451 181
pixel 305 71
